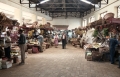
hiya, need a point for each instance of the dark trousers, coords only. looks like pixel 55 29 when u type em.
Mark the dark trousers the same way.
pixel 7 52
pixel 112 55
pixel 106 56
pixel 63 43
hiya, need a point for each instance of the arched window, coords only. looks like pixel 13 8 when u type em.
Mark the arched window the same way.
pixel 118 9
pixel 102 14
pixel 91 19
pixel 84 22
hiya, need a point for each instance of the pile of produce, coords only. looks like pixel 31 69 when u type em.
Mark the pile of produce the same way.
pixel 95 33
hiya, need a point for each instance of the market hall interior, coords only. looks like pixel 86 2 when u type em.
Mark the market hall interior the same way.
pixel 58 62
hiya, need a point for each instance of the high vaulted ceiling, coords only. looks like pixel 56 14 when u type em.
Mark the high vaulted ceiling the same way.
pixel 66 8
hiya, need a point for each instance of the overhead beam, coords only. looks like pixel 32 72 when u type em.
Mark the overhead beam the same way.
pixel 30 4
pixel 64 7
pixel 77 3
pixel 21 2
pixel 58 3
pixel 106 2
pixel 61 7
pixel 52 5
pixel 65 11
pixel 38 9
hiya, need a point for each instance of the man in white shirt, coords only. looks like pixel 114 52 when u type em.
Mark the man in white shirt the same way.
pixel 7 46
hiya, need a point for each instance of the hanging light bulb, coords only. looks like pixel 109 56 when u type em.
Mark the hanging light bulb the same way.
pixel 44 1
pixel 86 1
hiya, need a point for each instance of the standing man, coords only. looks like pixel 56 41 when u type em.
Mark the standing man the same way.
pixel 112 44
pixel 22 42
pixel 7 47
pixel 41 40
pixel 64 41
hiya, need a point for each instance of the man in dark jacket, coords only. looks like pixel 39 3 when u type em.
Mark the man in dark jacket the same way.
pixel 64 41
pixel 112 44
pixel 21 42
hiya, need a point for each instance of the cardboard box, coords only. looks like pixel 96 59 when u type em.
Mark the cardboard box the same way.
pixel 89 57
pixel 6 64
pixel 19 58
pixel 87 52
pixel 29 51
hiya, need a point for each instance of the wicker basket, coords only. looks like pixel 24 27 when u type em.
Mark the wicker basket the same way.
pixel 109 16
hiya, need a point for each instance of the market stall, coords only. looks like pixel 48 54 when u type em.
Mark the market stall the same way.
pixel 98 47
pixel 7 24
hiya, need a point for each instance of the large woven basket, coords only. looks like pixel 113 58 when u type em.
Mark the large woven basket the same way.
pixel 109 16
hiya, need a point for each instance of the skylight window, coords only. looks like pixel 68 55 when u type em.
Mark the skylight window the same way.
pixel 87 2
pixel 44 1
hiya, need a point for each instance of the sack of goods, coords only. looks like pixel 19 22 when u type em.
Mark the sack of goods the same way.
pixel 6 64
pixel 35 50
pixel 19 58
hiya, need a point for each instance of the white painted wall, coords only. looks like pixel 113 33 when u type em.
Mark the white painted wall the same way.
pixel 111 7
pixel 23 7
pixel 72 22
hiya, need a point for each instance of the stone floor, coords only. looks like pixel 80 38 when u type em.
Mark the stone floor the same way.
pixel 57 62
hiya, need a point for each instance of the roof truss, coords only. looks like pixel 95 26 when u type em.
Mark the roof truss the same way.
pixel 60 8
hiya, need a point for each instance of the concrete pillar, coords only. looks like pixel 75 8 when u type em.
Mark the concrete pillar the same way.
pixel 18 16
pixel 39 19
pixel 116 12
pixel 81 21
pixel 44 21
pixel 34 18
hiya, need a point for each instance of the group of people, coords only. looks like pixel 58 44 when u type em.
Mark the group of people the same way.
pixel 63 39
pixel 21 43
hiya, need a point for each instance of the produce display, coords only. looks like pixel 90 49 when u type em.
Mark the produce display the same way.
pixel 94 45
pixel 6 22
pixel 106 31
pixel 95 33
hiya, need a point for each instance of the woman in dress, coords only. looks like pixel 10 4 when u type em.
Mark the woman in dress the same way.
pixel 56 40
